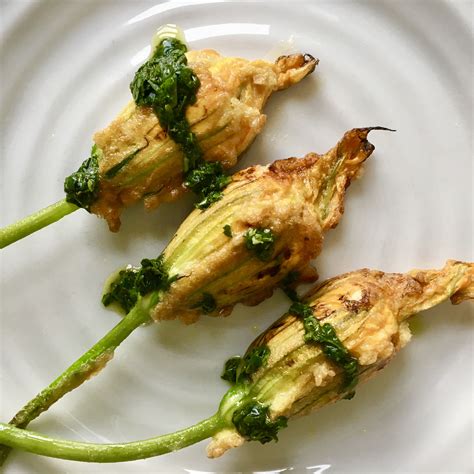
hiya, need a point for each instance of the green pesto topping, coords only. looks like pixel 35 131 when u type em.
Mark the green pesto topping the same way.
pixel 228 231
pixel 134 282
pixel 260 241
pixel 82 187
pixel 301 309
pixel 239 369
pixel 332 347
pixel 230 369
pixel 286 285
pixel 169 86
pixel 207 181
pixel 252 421
pixel 207 304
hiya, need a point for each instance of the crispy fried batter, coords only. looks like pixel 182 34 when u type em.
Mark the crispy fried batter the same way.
pixel 226 118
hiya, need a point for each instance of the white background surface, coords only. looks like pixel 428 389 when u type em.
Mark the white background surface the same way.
pixel 65 70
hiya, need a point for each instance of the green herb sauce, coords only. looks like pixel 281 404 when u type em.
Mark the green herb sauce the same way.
pixel 260 241
pixel 252 421
pixel 239 369
pixel 325 335
pixel 169 86
pixel 207 181
pixel 132 283
pixel 227 231
pixel 207 304
pixel 230 369
pixel 287 285
pixel 82 186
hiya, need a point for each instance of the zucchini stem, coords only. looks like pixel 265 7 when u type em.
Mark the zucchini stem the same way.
pixel 89 452
pixel 81 370
pixel 36 221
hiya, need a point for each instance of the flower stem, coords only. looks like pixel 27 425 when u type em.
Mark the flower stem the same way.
pixel 36 221
pixel 88 452
pixel 85 367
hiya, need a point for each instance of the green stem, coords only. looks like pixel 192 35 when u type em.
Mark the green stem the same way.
pixel 81 370
pixel 36 221
pixel 88 452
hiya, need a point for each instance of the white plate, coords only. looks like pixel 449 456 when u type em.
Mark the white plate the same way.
pixel 66 67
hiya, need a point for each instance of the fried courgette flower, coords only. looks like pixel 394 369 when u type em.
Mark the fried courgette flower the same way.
pixel 192 115
pixel 226 118
pixel 262 234
pixel 342 333
pixel 269 226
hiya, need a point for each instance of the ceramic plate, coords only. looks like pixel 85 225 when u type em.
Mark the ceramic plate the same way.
pixel 65 72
